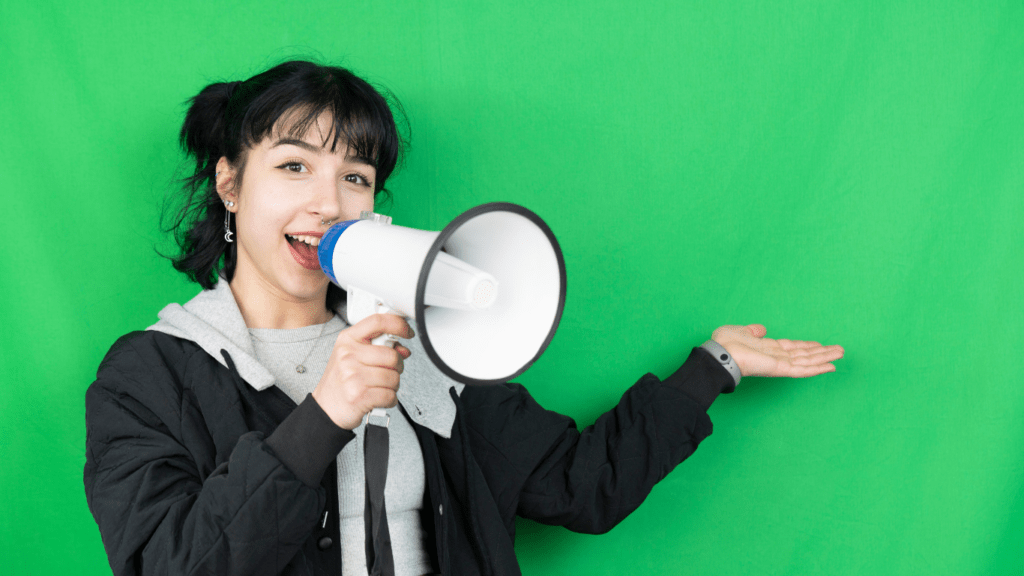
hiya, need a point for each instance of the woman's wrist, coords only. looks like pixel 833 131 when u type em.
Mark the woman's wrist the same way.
pixel 344 421
pixel 307 441
pixel 725 358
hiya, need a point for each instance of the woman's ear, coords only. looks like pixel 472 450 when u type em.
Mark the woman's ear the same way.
pixel 225 181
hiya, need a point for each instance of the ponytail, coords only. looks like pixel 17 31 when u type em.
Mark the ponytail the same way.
pixel 198 224
pixel 203 132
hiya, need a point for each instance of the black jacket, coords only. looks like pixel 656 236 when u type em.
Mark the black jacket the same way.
pixel 189 470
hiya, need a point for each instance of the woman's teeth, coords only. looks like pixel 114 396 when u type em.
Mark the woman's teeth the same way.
pixel 311 240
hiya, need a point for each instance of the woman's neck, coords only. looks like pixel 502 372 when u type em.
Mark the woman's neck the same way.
pixel 262 308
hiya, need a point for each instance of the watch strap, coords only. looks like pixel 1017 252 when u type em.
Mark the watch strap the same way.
pixel 724 358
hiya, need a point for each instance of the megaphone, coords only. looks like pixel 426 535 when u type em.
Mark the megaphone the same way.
pixel 486 292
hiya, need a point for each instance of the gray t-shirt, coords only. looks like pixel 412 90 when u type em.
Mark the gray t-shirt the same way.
pixel 280 351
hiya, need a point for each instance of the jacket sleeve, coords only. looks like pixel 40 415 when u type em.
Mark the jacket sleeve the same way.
pixel 156 512
pixel 590 481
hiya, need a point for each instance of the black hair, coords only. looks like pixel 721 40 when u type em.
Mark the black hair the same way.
pixel 229 118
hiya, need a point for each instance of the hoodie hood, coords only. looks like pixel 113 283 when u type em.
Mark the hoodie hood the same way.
pixel 213 321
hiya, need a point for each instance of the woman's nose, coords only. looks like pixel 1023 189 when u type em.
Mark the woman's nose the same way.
pixel 326 203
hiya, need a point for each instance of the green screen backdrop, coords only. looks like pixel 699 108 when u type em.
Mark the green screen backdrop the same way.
pixel 847 172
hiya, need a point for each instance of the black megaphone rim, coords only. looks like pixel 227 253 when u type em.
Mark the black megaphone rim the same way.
pixel 421 288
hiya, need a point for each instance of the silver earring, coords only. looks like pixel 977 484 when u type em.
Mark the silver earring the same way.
pixel 227 223
pixel 322 223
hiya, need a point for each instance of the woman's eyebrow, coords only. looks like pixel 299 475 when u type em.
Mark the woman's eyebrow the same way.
pixel 317 150
pixel 300 143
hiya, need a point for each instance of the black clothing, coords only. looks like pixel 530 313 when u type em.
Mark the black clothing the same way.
pixel 190 470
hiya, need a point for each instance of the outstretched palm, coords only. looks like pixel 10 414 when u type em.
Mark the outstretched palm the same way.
pixel 759 356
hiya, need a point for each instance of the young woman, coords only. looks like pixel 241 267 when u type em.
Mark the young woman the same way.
pixel 228 438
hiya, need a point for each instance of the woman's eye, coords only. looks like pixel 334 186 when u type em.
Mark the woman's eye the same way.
pixel 357 179
pixel 296 167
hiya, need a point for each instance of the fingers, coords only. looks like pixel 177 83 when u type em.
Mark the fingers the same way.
pixel 808 371
pixel 827 354
pixel 382 398
pixel 383 357
pixel 796 344
pixel 804 366
pixel 376 324
pixel 361 335
pixel 380 379
pixel 800 345
pixel 381 389
pixel 759 330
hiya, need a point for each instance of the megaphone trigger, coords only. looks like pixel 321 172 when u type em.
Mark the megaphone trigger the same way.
pixel 362 304
pixel 385 339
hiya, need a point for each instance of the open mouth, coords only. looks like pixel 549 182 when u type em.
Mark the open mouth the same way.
pixel 304 249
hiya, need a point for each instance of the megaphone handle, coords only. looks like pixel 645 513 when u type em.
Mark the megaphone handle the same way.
pixel 362 304
pixel 385 339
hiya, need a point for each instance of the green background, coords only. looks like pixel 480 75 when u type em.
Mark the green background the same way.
pixel 849 173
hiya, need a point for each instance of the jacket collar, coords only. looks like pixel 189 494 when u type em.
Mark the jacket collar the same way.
pixel 213 321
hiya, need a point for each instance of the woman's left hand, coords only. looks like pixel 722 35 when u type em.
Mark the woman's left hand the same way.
pixel 759 356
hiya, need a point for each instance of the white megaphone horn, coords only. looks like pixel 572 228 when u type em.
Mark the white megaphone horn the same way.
pixel 486 292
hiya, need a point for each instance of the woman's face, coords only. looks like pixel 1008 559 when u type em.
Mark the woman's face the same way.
pixel 288 187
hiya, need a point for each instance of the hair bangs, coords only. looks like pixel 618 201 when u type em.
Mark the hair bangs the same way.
pixel 360 118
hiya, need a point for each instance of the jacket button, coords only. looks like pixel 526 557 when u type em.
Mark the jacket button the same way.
pixel 324 543
pixel 440 509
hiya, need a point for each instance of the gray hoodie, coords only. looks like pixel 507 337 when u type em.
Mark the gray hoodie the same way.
pixel 213 321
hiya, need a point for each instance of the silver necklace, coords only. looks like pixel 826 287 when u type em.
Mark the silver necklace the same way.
pixel 301 366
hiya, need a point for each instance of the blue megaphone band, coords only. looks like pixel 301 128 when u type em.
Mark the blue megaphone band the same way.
pixel 325 252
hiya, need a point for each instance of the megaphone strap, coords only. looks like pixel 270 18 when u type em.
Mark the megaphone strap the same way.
pixel 379 559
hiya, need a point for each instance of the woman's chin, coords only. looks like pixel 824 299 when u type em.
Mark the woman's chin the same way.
pixel 310 286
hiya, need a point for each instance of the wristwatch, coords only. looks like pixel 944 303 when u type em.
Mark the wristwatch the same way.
pixel 724 358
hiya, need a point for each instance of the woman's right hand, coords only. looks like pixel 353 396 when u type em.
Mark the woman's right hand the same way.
pixel 361 376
